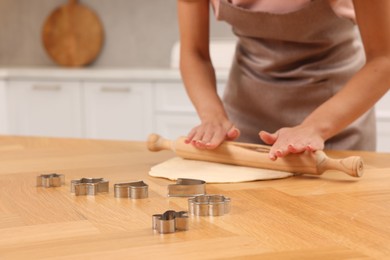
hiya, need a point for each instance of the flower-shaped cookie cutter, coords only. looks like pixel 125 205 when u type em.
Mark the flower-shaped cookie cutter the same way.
pixel 50 180
pixel 134 190
pixel 170 221
pixel 88 186
pixel 209 205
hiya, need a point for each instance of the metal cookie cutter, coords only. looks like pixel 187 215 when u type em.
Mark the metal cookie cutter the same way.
pixel 88 186
pixel 209 205
pixel 50 180
pixel 187 188
pixel 134 190
pixel 170 221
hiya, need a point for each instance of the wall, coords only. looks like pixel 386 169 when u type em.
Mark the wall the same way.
pixel 139 33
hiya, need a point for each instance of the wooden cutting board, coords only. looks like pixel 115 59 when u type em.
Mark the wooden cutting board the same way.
pixel 73 35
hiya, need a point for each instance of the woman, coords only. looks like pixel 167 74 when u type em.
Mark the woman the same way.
pixel 299 81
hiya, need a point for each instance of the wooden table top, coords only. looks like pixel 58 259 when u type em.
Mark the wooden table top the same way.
pixel 333 216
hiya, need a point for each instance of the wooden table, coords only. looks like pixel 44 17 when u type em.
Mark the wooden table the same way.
pixel 333 216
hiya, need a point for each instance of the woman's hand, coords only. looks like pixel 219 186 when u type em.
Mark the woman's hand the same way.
pixel 210 134
pixel 288 140
pixel 359 94
pixel 199 76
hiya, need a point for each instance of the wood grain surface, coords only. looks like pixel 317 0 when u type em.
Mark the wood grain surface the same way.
pixel 73 35
pixel 331 216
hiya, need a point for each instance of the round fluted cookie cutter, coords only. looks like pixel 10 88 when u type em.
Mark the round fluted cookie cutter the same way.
pixel 209 205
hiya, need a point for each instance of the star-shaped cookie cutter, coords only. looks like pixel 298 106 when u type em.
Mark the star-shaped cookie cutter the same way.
pixel 187 188
pixel 170 221
pixel 209 205
pixel 88 186
pixel 134 190
pixel 50 180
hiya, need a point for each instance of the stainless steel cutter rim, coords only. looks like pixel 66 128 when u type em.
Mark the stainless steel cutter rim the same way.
pixel 170 221
pixel 50 180
pixel 187 188
pixel 89 180
pixel 134 190
pixel 209 205
pixel 89 186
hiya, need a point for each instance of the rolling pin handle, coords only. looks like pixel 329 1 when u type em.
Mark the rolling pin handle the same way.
pixel 157 143
pixel 352 165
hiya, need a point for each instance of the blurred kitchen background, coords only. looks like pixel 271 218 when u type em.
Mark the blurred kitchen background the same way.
pixel 133 87
pixel 138 33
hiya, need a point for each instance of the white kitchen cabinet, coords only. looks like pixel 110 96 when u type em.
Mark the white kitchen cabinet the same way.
pixel 45 108
pixel 383 135
pixel 383 124
pixel 172 126
pixel 3 108
pixel 117 110
pixel 174 113
pixel 172 97
pixel 111 104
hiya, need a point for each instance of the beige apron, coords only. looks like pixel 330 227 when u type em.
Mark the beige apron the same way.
pixel 286 65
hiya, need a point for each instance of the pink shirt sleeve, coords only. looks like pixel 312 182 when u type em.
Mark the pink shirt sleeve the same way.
pixel 343 8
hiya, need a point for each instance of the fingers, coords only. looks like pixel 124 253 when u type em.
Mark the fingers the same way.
pixel 233 134
pixel 282 150
pixel 200 139
pixel 293 140
pixel 268 138
pixel 210 136
pixel 190 136
pixel 214 139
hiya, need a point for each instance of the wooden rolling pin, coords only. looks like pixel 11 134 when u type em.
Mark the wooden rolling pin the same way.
pixel 254 155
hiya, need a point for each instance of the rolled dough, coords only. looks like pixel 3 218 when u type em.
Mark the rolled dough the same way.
pixel 212 172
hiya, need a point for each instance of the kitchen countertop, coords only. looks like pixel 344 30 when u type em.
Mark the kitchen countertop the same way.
pixel 95 74
pixel 333 216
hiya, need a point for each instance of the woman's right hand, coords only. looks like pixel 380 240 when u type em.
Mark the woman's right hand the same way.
pixel 199 77
pixel 210 134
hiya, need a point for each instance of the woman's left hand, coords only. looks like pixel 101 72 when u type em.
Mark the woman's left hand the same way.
pixel 358 95
pixel 288 140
